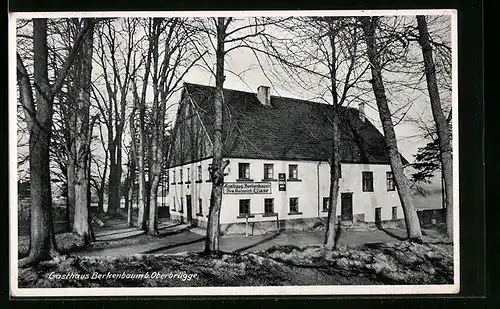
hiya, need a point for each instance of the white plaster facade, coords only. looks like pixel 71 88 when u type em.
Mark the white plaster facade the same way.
pixel 312 187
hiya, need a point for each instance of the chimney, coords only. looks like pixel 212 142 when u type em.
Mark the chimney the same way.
pixel 264 95
pixel 361 108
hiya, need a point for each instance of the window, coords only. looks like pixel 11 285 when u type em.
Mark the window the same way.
pixel 244 207
pixel 293 171
pixel 390 181
pixel 200 206
pixel 181 209
pixel 367 181
pixel 174 206
pixel 209 172
pixel 244 170
pixel 394 213
pixel 180 175
pixel 173 177
pixel 268 171
pixel 294 204
pixel 199 173
pixel 326 202
pixel 188 174
pixel 269 205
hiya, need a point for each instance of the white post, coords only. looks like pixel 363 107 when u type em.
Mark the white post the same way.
pixel 246 225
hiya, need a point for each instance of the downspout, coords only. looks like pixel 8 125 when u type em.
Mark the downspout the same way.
pixel 317 176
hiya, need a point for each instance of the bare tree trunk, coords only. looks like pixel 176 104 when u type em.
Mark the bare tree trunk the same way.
pixel 331 228
pixel 154 181
pixel 114 182
pixel 82 139
pixel 217 171
pixel 141 217
pixel 443 130
pixel 42 240
pixel 412 222
pixel 70 202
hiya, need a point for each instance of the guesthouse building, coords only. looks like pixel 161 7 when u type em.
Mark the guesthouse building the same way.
pixel 278 173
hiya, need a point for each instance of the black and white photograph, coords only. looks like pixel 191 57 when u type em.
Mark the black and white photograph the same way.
pixel 233 153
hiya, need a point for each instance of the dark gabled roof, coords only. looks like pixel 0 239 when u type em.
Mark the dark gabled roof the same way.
pixel 290 129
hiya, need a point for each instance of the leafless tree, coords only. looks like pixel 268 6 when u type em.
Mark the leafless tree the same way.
pixel 443 131
pixel 116 44
pixel 369 26
pixel 38 116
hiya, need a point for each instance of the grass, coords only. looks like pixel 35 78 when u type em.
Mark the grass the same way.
pixel 66 243
pixel 396 263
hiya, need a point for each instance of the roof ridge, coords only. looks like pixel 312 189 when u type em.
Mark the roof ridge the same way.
pixel 279 97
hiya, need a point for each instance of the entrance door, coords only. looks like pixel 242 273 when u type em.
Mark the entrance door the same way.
pixel 378 216
pixel 346 206
pixel 189 208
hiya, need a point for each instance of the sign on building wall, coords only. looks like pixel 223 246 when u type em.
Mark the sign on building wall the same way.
pixel 282 182
pixel 247 188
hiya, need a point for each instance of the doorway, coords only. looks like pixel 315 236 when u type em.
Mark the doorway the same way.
pixel 189 208
pixel 346 206
pixel 378 216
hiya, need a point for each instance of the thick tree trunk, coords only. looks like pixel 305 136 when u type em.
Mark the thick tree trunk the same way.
pixel 153 206
pixel 142 217
pixel 411 218
pixel 154 181
pixel 81 224
pixel 217 172
pixel 331 228
pixel 42 240
pixel 70 202
pixel 443 131
pixel 130 195
pixel 114 185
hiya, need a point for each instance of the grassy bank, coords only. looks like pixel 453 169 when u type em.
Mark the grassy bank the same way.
pixel 395 263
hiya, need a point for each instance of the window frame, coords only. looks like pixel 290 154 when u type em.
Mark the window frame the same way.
pixel 241 214
pixel 394 213
pixel 266 170
pixel 291 168
pixel 200 173
pixel 390 181
pixel 200 206
pixel 327 200
pixel 296 211
pixel 364 185
pixel 272 205
pixel 245 170
pixel 181 208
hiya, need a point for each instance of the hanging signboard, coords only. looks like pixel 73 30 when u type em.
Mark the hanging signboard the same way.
pixel 247 188
pixel 281 182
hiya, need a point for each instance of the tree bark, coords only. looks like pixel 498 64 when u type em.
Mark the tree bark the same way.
pixel 217 171
pixel 70 202
pixel 39 120
pixel 81 224
pixel 412 222
pixel 331 228
pixel 141 216
pixel 443 131
pixel 114 182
